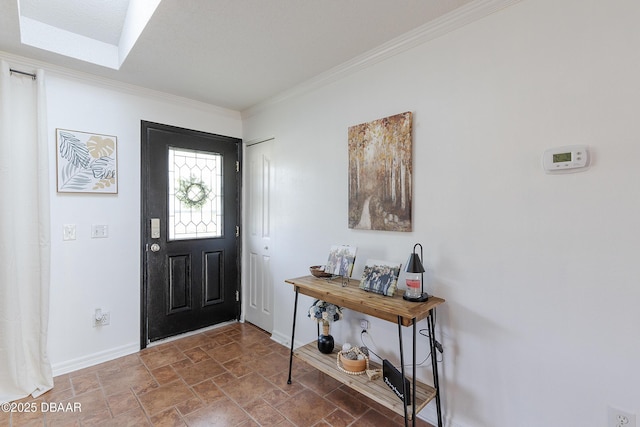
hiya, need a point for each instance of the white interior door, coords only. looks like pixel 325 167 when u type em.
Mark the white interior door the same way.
pixel 258 294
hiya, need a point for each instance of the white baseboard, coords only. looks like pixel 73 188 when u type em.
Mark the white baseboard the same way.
pixel 94 359
pixel 281 338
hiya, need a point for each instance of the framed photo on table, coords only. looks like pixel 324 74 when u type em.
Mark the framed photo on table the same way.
pixel 380 277
pixel 341 260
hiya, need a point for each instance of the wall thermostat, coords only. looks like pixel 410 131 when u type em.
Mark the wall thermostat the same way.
pixel 567 159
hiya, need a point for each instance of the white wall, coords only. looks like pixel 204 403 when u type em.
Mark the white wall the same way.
pixel 540 272
pixel 90 273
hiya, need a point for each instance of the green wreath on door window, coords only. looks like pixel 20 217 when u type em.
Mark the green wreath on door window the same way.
pixel 193 192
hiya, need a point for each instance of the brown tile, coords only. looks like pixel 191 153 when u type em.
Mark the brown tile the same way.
pixel 168 418
pixel 62 382
pixel 339 418
pixel 92 408
pixel 264 414
pixel 196 354
pixel 238 367
pixel 189 406
pixel 191 342
pixel 136 377
pixel 167 356
pixel 276 396
pixel 224 353
pixel 251 423
pixel 84 383
pixel 208 391
pixel 223 413
pixel 225 378
pixel 320 382
pixel 306 408
pixel 272 364
pixel 64 423
pixel 133 418
pixel 184 363
pixel 130 360
pixel 353 401
pixel 122 402
pixel 281 381
pixel 165 396
pixel 217 340
pixel 248 388
pixel 165 374
pixel 200 371
pixel 374 419
pixel 95 418
pixel 29 417
pixel 5 418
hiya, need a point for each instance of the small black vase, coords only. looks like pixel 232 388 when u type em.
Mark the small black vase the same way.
pixel 325 344
pixel 325 340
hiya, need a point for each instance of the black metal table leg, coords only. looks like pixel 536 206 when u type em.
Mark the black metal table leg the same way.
pixel 404 385
pixel 413 396
pixel 434 363
pixel 293 334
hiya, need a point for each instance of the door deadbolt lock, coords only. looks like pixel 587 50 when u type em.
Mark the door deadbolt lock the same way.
pixel 155 228
pixel 155 247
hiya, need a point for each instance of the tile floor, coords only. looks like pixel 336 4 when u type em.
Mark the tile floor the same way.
pixel 230 376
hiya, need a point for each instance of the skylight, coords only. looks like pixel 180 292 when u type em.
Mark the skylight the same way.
pixel 102 32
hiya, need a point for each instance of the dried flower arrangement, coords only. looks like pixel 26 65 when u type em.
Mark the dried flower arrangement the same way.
pixel 324 312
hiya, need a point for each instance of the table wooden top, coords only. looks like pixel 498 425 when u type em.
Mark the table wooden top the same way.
pixel 354 298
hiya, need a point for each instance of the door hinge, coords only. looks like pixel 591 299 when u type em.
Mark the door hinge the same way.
pixel 237 165
pixel 237 296
pixel 237 231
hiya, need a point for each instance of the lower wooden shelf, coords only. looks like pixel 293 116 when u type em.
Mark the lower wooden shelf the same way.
pixel 376 390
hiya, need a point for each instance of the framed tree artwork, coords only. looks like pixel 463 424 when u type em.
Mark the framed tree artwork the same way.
pixel 380 174
pixel 86 162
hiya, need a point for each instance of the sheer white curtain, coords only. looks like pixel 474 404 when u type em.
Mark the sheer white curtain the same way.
pixel 24 237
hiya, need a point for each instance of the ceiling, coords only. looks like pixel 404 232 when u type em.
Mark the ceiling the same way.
pixel 231 53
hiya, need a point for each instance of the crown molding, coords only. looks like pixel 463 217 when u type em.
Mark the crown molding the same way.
pixel 31 64
pixel 447 23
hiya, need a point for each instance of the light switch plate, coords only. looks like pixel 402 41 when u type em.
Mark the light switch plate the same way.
pixel 99 231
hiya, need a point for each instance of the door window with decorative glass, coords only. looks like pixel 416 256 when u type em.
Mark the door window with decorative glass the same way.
pixel 195 194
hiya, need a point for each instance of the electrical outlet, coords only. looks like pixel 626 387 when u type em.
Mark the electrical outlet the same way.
pixel 364 324
pixel 619 418
pixel 101 318
pixel 69 232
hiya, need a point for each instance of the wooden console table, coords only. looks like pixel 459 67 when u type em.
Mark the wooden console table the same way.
pixel 393 309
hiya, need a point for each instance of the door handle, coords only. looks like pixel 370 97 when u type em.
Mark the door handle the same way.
pixel 155 247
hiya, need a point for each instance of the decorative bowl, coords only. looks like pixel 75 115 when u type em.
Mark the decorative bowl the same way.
pixel 318 271
pixel 355 366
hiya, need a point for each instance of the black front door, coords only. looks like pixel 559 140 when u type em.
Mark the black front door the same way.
pixel 190 211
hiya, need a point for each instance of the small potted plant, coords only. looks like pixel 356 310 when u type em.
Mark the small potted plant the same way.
pixel 324 313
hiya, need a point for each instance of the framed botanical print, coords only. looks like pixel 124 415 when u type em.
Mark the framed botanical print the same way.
pixel 86 162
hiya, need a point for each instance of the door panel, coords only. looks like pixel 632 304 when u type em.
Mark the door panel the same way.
pixel 260 179
pixel 213 284
pixel 190 185
pixel 179 284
